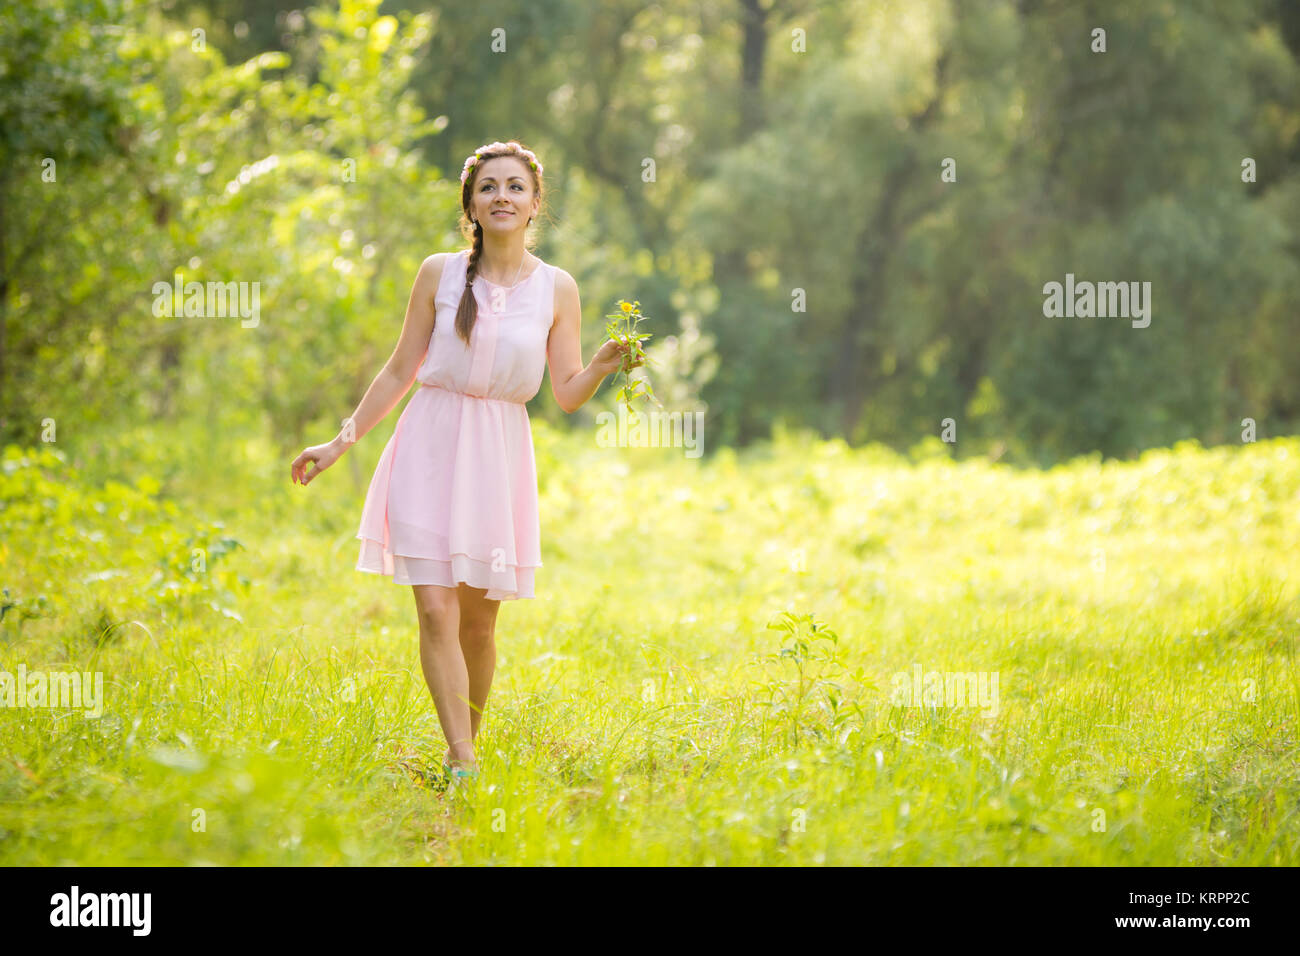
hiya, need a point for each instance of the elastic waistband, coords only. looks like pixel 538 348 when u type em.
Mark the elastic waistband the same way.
pixel 481 398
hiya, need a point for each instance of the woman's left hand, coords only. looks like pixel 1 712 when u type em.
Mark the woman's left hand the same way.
pixel 609 358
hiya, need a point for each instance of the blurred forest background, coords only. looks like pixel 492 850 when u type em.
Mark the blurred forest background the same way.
pixel 764 176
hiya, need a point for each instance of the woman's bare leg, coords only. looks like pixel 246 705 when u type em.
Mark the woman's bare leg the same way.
pixel 443 663
pixel 478 620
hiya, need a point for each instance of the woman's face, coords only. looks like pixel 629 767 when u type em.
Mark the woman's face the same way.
pixel 503 199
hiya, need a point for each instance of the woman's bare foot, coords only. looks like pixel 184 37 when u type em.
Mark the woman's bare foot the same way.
pixel 463 761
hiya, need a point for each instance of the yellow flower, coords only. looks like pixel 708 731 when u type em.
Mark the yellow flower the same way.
pixel 626 306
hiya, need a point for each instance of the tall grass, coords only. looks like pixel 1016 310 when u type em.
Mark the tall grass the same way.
pixel 709 674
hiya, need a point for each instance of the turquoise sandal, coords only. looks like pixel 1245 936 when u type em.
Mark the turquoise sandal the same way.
pixel 456 774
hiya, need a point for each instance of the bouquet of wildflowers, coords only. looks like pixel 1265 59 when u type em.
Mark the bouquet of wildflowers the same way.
pixel 622 328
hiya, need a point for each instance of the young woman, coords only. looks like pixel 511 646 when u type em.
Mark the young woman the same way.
pixel 452 507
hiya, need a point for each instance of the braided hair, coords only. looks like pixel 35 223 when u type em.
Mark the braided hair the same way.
pixel 467 312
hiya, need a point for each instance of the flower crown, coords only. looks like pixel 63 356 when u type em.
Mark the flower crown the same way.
pixel 518 150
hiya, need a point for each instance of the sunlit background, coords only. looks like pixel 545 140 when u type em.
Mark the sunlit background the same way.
pixel 843 221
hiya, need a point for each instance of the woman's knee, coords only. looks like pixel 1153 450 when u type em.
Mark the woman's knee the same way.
pixel 478 615
pixel 477 633
pixel 437 609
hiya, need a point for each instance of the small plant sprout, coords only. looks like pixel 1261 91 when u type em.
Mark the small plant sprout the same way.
pixel 814 704
pixel 621 328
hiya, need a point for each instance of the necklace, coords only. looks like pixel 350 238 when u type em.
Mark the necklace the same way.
pixel 513 284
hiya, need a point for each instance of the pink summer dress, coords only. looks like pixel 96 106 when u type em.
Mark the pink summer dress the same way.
pixel 454 496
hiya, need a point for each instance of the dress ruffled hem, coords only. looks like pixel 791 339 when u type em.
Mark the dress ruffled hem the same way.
pixel 512 582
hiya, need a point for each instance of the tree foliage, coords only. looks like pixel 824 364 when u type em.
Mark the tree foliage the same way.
pixel 767 178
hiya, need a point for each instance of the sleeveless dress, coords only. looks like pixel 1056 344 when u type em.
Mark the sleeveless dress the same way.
pixel 454 496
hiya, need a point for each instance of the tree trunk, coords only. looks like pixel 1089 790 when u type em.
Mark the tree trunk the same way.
pixel 857 364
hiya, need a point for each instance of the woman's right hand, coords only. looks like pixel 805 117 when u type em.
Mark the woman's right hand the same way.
pixel 321 455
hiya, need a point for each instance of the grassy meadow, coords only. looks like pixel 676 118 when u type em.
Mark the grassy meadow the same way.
pixel 709 675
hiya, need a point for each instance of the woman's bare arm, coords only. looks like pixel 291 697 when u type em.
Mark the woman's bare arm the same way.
pixel 395 378
pixel 571 383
